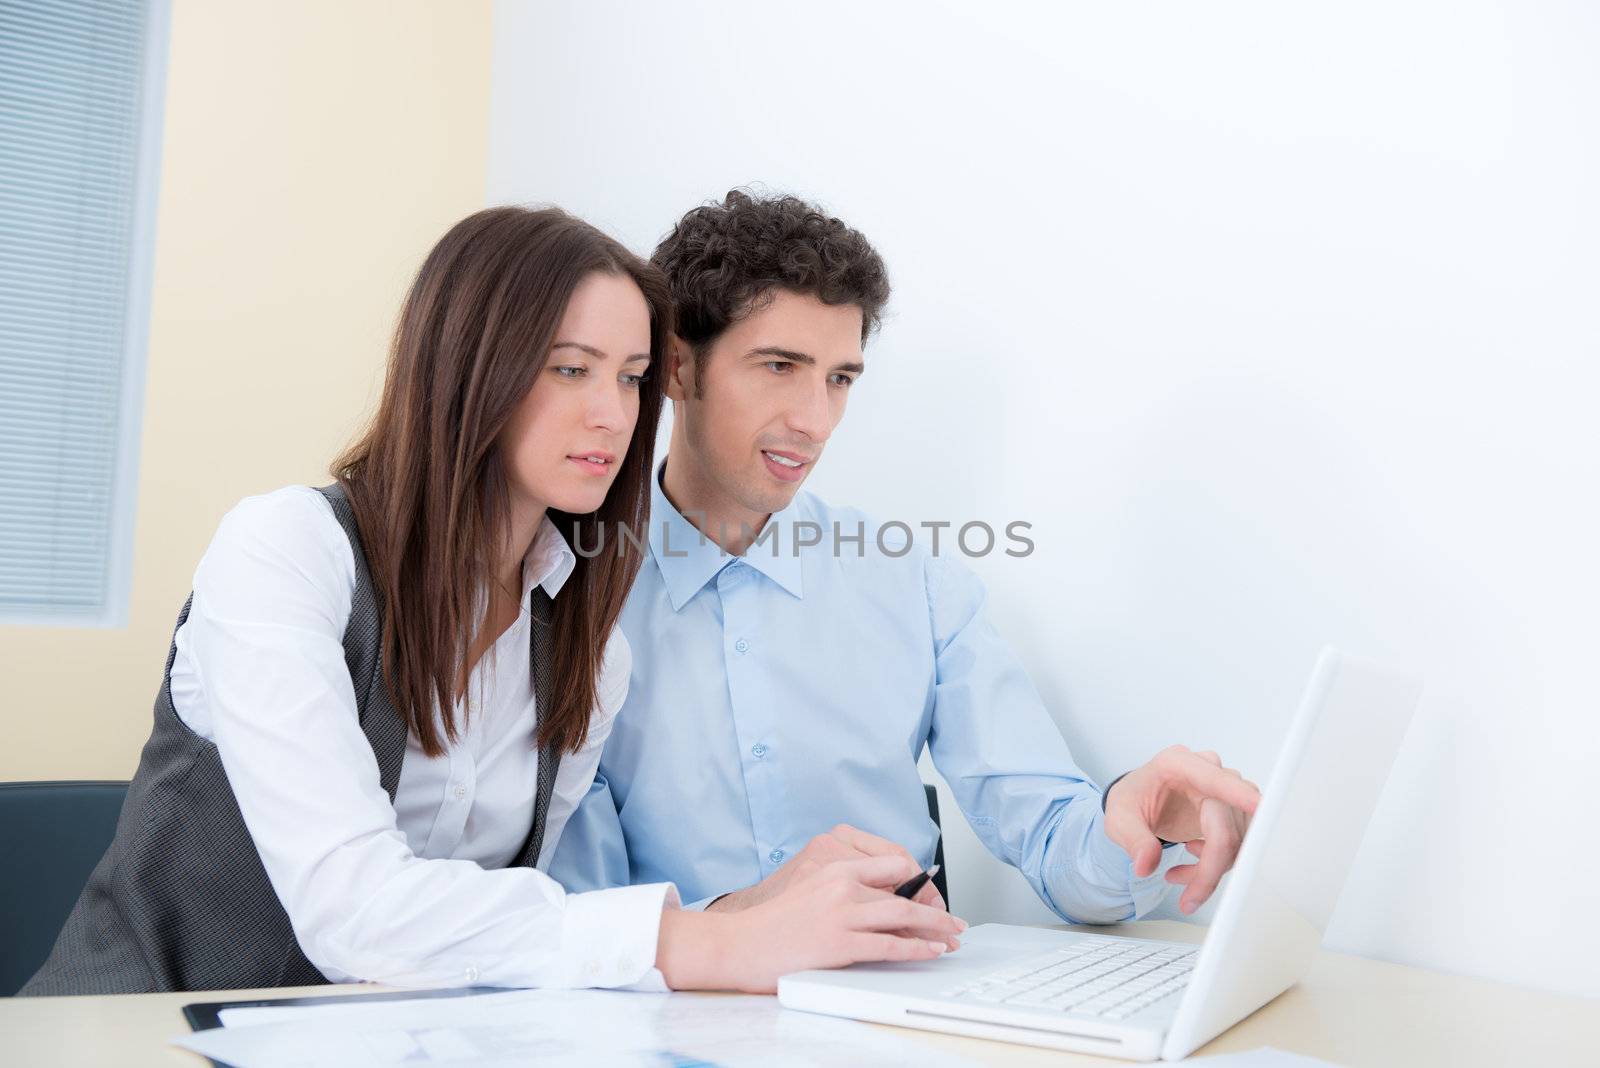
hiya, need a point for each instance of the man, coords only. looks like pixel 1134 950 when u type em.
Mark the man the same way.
pixel 792 659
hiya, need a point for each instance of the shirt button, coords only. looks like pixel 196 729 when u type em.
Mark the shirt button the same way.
pixel 460 792
pixel 758 750
pixel 473 973
pixel 776 856
pixel 592 969
pixel 742 646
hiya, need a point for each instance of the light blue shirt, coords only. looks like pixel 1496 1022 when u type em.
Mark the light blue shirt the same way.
pixel 777 694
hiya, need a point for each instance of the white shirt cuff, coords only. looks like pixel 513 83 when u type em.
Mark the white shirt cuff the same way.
pixel 608 937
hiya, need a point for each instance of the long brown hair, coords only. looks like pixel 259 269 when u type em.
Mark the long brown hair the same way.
pixel 429 487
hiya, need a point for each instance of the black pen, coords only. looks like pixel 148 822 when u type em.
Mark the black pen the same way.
pixel 910 887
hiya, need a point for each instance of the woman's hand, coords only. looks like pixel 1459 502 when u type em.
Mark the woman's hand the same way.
pixel 840 914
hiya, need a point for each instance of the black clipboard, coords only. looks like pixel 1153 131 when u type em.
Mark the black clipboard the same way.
pixel 204 1015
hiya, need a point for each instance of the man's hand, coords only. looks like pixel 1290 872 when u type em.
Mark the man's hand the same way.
pixel 1187 797
pixel 835 915
pixel 843 843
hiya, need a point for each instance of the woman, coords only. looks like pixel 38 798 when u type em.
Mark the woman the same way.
pixel 385 697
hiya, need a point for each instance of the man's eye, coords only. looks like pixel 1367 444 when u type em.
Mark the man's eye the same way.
pixel 843 380
pixel 779 366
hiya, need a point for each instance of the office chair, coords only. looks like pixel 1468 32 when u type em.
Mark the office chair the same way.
pixel 938 848
pixel 52 834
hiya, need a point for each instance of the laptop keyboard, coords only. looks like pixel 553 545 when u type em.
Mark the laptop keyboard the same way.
pixel 1096 977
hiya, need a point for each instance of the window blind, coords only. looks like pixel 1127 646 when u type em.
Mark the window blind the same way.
pixel 79 118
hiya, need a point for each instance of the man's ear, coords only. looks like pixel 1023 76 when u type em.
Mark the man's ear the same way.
pixel 680 369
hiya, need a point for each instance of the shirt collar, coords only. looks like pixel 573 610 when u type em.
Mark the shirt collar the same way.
pixel 688 559
pixel 549 561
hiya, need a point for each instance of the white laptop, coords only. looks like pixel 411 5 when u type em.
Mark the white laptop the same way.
pixel 1142 999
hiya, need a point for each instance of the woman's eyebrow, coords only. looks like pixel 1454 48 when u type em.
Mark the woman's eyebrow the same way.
pixel 596 353
pixel 580 346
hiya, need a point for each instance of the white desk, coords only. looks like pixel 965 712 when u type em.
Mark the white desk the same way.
pixel 1349 1010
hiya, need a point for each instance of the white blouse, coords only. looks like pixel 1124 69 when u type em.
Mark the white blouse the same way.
pixel 415 892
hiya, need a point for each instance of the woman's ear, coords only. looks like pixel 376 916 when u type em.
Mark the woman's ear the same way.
pixel 680 369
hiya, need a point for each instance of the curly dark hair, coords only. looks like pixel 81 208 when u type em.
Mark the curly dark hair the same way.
pixel 723 259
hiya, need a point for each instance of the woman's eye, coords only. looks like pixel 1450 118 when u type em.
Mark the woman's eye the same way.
pixel 632 380
pixel 570 372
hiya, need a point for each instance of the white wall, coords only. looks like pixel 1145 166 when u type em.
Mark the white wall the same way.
pixel 1278 322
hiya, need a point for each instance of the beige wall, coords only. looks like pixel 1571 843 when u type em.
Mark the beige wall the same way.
pixel 313 152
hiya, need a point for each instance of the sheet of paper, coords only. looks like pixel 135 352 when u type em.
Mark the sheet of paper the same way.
pixel 556 1027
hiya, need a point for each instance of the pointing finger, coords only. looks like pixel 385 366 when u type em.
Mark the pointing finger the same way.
pixel 1212 782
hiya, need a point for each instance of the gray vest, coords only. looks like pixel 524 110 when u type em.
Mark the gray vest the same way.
pixel 180 901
